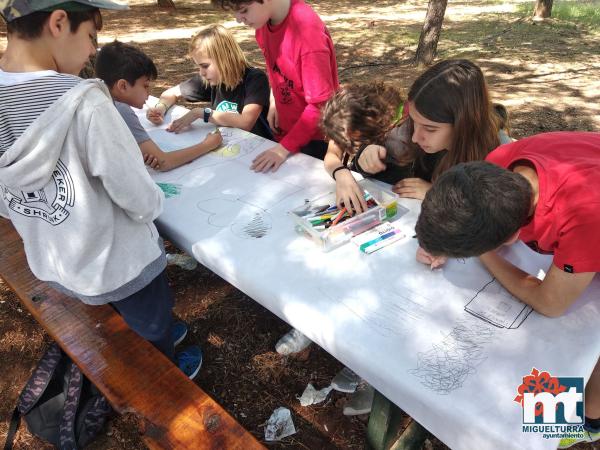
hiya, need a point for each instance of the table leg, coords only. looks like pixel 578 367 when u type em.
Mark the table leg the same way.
pixel 385 424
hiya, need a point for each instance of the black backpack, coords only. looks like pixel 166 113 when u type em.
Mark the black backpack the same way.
pixel 59 404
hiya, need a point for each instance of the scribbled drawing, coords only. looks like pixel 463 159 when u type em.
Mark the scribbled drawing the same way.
pixel 389 313
pixel 171 190
pixel 447 365
pixel 255 227
pixel 497 306
pixel 244 220
pixel 230 151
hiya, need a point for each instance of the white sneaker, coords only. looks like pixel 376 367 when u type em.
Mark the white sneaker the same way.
pixel 361 401
pixel 185 261
pixel 292 342
pixel 345 381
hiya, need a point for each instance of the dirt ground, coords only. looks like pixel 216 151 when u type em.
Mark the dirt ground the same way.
pixel 547 76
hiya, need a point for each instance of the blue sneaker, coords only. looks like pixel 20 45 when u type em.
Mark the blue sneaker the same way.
pixel 189 361
pixel 179 331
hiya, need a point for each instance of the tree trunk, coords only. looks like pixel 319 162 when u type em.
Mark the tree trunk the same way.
pixel 168 4
pixel 543 9
pixel 430 34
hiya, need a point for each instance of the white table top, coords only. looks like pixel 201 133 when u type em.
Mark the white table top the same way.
pixel 404 328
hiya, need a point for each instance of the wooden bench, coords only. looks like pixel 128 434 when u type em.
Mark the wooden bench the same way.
pixel 134 376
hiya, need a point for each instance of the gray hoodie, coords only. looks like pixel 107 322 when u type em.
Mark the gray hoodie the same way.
pixel 76 189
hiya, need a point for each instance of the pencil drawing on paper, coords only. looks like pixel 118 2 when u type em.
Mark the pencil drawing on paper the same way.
pixel 244 220
pixel 447 365
pixel 497 306
pixel 388 313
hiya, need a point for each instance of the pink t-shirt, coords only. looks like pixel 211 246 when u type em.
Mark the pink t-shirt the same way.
pixel 300 60
pixel 566 222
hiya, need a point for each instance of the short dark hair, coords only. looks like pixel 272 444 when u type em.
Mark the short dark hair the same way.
pixel 30 27
pixel 117 60
pixel 368 110
pixel 473 208
pixel 232 4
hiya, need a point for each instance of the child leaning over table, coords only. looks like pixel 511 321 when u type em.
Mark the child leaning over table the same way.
pixel 450 119
pixel 300 59
pixel 238 93
pixel 529 190
pixel 127 72
pixel 72 179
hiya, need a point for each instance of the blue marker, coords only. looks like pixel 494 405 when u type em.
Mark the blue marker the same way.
pixel 392 233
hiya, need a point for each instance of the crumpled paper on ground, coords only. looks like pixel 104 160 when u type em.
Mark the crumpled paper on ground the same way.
pixel 311 396
pixel 279 425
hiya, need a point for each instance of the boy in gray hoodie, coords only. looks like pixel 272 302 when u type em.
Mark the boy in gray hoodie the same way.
pixel 72 179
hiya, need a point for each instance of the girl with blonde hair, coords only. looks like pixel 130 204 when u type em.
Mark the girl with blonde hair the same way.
pixel 238 93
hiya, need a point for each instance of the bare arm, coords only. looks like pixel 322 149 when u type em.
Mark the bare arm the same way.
pixel 156 114
pixel 347 191
pixel 550 297
pixel 245 120
pixel 163 161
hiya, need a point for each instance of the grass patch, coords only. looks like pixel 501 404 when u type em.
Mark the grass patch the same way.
pixel 583 11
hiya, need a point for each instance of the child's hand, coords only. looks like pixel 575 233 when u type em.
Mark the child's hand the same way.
pixel 372 159
pixel 213 139
pixel 151 161
pixel 179 125
pixel 273 119
pixel 156 114
pixel 412 188
pixel 270 159
pixel 432 261
pixel 348 193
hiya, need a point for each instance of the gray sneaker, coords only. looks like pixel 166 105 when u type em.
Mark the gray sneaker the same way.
pixel 292 342
pixel 185 261
pixel 361 401
pixel 345 381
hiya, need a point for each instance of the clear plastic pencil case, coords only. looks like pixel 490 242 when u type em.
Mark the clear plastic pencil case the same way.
pixel 316 219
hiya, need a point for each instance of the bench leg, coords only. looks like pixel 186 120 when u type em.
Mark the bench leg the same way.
pixel 385 423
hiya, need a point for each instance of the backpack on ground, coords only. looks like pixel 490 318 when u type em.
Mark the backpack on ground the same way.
pixel 59 404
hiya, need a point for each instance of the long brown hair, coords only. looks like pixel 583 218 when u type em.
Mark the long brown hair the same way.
pixel 455 92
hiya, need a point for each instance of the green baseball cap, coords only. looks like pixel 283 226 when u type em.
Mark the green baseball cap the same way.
pixel 13 9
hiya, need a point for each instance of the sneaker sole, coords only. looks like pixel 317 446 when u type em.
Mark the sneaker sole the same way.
pixel 345 390
pixel 180 340
pixel 355 412
pixel 193 375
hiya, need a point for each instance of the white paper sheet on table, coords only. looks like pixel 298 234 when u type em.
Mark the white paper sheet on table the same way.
pixel 448 346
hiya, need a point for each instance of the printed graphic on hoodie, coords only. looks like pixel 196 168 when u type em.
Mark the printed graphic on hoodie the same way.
pixel 52 203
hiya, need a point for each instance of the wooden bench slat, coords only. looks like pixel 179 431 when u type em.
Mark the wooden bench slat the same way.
pixel 133 375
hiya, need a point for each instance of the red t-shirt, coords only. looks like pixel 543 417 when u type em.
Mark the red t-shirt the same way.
pixel 566 221
pixel 300 60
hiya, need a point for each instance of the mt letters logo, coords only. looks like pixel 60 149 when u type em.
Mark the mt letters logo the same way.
pixel 552 406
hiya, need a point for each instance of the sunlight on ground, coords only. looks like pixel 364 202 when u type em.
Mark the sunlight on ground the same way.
pixel 528 66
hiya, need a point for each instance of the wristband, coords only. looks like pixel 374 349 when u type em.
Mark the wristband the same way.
pixel 164 104
pixel 207 114
pixel 336 169
pixel 356 165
